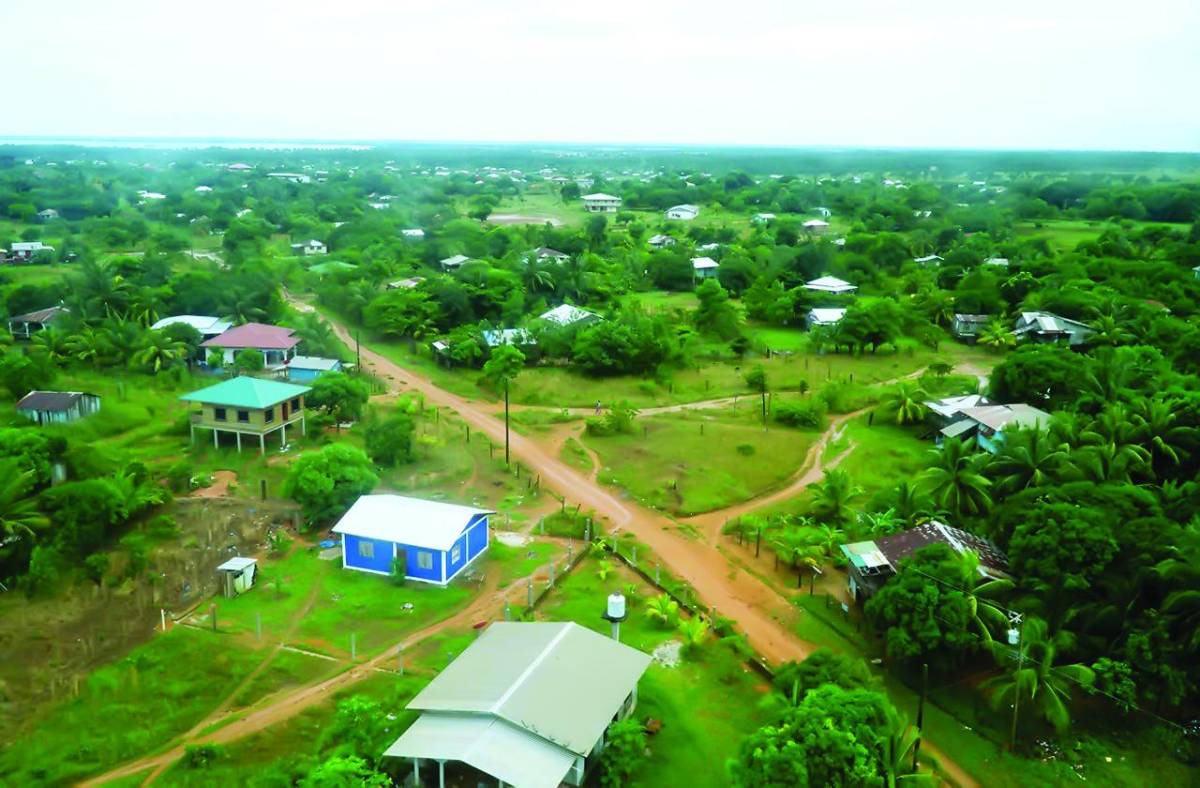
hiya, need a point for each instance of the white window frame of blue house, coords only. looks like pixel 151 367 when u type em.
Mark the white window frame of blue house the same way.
pixel 366 548
pixel 455 552
pixel 424 559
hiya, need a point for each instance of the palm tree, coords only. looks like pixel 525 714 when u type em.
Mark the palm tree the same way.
pixel 124 337
pixel 1182 570
pixel 1109 331
pixel 19 516
pixel 954 480
pixel 1032 677
pixel 801 548
pixel 693 631
pixel 982 595
pixel 997 336
pixel 1029 458
pixel 89 346
pixel 314 332
pixel 898 750
pixel 829 537
pixel 1110 462
pixel 159 351
pixel 52 344
pixel 534 275
pixel 1155 420
pixel 145 305
pixel 662 609
pixel 882 523
pixel 906 402
pixel 833 496
pixel 911 504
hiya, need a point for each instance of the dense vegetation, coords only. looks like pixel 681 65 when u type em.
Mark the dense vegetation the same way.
pixel 1099 514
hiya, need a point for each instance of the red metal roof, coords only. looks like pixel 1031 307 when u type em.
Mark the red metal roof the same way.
pixel 254 335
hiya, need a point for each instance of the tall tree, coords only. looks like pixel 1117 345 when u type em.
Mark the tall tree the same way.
pixel 954 480
pixel 505 363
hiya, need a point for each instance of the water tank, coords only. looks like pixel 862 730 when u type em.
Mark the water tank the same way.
pixel 616 606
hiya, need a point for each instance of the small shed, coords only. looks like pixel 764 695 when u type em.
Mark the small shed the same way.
pixel 237 575
pixel 305 369
pixel 57 407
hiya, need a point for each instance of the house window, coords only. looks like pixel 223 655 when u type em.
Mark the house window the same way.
pixel 455 554
pixel 295 404
pixel 269 415
pixel 283 411
pixel 219 414
pixel 424 559
pixel 243 416
pixel 366 549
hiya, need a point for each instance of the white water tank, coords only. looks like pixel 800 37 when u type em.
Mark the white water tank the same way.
pixel 616 606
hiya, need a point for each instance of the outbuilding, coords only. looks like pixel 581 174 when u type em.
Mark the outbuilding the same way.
pixel 304 369
pixel 683 213
pixel 237 575
pixel 432 540
pixel 704 267
pixel 829 284
pixel 57 407
pixel 26 325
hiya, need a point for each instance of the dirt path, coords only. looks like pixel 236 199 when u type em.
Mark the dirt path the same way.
pixel 219 487
pixel 485 605
pixel 762 613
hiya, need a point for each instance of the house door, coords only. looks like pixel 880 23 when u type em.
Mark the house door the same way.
pixel 400 563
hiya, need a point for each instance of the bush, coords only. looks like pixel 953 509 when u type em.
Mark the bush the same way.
pixel 201 756
pixel 624 752
pixel 618 421
pixel 807 414
pixel 179 476
pixel 390 442
pixel 746 450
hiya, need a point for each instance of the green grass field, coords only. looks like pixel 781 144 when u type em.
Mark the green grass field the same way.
pixel 692 462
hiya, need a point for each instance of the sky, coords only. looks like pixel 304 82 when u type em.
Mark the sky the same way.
pixel 1015 74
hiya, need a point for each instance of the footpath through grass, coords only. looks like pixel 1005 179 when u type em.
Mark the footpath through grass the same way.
pixel 697 461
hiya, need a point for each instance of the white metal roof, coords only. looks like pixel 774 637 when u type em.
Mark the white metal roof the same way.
pixel 816 223
pixel 236 564
pixel 457 259
pixel 314 362
pixel 950 406
pixel 491 745
pixel 699 263
pixel 431 525
pixel 825 317
pixel 566 314
pixel 829 284
pixel 205 324
pixel 560 681
pixel 600 196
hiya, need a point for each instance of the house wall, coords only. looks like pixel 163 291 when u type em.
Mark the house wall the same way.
pixel 307 375
pixel 380 561
pixel 413 565
pixel 257 422
pixel 270 357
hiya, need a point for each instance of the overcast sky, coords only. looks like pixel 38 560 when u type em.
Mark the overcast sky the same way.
pixel 933 73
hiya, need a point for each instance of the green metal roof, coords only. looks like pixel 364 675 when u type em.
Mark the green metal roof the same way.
pixel 246 392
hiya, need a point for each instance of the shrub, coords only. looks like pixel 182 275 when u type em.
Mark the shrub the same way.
pixel 746 450
pixel 201 756
pixel 179 476
pixel 806 414
pixel 390 442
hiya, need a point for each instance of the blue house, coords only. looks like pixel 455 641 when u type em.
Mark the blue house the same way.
pixel 433 540
pixel 305 369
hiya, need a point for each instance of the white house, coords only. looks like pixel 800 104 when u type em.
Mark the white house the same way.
pixel 601 203
pixel 763 218
pixel 824 317
pixel 24 251
pixel 663 241
pixel 552 255
pixel 928 261
pixel 999 262
pixel 817 226
pixel 829 284
pixel 310 247
pixel 455 261
pixel 48 214
pixel 405 284
pixel 203 189
pixel 415 234
pixel 704 267
pixel 683 212
pixel 428 541
pixel 527 704
pixel 568 314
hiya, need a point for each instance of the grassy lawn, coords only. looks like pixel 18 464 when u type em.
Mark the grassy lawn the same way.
pixel 129 707
pixel 698 461
pixel 883 453
pixel 707 703
pixel 1065 234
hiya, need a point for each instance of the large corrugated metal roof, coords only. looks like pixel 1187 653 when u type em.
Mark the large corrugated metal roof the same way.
pixel 491 745
pixel 49 401
pixel 255 335
pixel 559 681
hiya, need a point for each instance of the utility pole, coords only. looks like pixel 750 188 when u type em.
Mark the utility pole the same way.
pixel 921 711
pixel 506 422
pixel 1014 638
pixel 357 352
